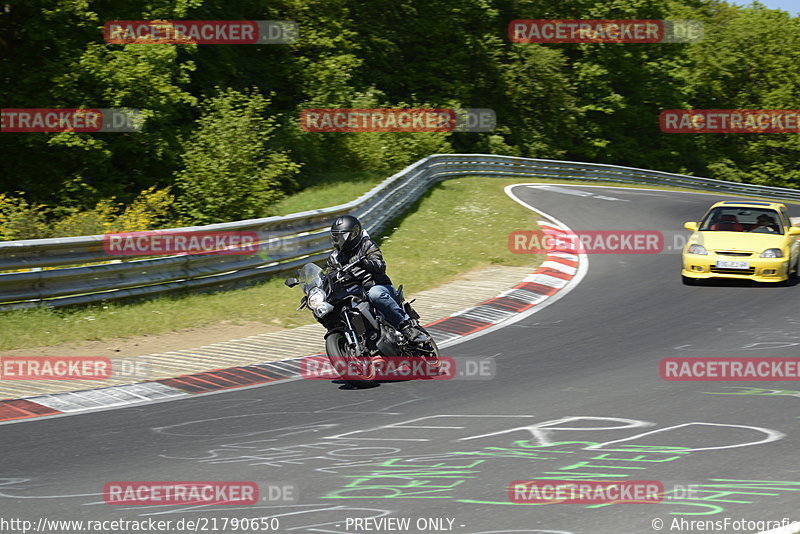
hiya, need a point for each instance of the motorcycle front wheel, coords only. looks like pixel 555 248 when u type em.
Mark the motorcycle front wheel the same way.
pixel 358 372
pixel 429 351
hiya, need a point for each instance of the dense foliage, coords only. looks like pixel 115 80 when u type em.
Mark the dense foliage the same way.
pixel 222 140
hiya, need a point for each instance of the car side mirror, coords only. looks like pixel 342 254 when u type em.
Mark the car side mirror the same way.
pixel 291 282
pixel 690 226
pixel 794 230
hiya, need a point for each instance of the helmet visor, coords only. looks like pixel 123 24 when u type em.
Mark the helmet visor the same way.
pixel 339 237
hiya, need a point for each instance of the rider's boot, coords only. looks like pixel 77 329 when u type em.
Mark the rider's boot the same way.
pixel 412 333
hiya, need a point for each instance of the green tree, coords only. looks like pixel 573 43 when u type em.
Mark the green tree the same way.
pixel 55 57
pixel 230 171
pixel 748 60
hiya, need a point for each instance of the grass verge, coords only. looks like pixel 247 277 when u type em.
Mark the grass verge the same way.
pixel 460 225
pixel 329 190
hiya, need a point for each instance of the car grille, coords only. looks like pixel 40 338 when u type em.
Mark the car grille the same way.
pixel 733 253
pixel 718 270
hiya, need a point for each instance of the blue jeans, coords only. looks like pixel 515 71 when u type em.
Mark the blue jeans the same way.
pixel 384 300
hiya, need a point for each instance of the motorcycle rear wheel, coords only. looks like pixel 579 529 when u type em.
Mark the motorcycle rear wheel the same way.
pixel 341 358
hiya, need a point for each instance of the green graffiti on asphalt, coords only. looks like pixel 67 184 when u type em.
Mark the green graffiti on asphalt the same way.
pixel 441 476
pixel 393 478
pixel 704 496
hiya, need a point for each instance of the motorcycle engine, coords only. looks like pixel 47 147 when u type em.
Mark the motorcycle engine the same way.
pixel 387 344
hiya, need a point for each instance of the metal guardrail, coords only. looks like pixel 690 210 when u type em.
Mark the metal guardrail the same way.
pixel 286 241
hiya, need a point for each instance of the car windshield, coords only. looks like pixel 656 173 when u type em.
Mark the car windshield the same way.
pixel 742 219
pixel 310 275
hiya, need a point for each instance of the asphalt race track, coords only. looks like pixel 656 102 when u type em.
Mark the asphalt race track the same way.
pixel 577 393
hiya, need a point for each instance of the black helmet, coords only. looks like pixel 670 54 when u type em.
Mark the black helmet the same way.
pixel 345 232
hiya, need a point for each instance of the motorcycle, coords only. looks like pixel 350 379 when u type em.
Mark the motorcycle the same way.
pixel 356 333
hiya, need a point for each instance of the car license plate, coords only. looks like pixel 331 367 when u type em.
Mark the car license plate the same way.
pixel 733 264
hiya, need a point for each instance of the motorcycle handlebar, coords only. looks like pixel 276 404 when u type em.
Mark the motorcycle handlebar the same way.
pixel 347 267
pixel 352 264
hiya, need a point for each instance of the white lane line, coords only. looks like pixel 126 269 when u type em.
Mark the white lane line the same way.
pixel 602 197
pixel 565 287
pixel 635 189
pixel 575 192
pixel 556 189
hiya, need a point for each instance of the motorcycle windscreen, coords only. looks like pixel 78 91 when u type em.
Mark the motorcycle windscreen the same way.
pixel 310 275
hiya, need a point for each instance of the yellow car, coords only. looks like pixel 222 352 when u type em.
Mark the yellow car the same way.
pixel 742 240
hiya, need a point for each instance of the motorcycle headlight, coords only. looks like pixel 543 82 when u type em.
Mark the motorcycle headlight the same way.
pixel 323 309
pixel 772 253
pixel 697 249
pixel 315 298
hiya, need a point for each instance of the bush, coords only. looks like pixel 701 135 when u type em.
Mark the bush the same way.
pixel 88 222
pixel 21 220
pixel 230 171
pixel 384 152
pixel 150 210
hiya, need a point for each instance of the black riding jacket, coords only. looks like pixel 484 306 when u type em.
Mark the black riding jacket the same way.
pixel 370 271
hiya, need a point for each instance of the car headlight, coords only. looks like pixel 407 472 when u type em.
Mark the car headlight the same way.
pixel 697 249
pixel 772 253
pixel 316 298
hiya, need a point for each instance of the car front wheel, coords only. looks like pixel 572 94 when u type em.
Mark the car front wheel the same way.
pixel 792 278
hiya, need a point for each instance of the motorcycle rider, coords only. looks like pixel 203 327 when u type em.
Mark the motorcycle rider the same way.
pixel 354 248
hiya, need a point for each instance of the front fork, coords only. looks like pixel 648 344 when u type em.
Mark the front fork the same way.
pixel 350 335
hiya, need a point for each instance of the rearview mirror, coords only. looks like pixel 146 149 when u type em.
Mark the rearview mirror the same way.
pixel 794 230
pixel 690 226
pixel 291 282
